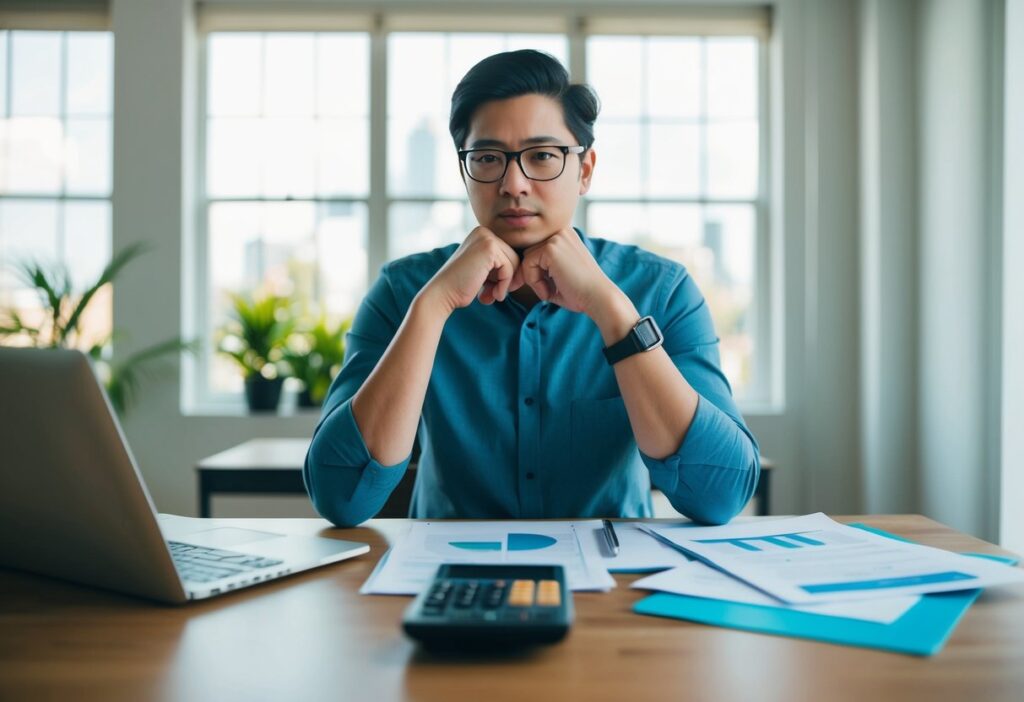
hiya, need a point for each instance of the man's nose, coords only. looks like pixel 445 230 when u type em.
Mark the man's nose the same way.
pixel 515 181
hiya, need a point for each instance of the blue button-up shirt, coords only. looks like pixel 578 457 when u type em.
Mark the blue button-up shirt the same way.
pixel 523 416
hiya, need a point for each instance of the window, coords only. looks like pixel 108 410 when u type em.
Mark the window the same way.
pixel 679 169
pixel 55 163
pixel 311 182
pixel 287 177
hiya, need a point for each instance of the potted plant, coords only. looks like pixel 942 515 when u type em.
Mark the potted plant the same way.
pixel 255 339
pixel 59 326
pixel 314 356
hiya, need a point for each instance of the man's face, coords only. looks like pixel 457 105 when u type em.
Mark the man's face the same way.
pixel 521 211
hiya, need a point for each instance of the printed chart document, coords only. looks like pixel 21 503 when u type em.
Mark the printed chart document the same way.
pixel 698 580
pixel 812 559
pixel 639 552
pixel 412 562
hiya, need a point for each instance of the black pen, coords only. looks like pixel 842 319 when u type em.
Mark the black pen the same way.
pixel 609 534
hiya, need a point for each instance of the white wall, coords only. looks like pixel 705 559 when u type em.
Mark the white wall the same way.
pixel 814 437
pixel 888 255
pixel 1012 513
pixel 830 416
pixel 957 226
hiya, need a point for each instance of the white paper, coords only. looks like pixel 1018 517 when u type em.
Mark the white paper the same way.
pixel 639 552
pixel 811 559
pixel 412 562
pixel 698 580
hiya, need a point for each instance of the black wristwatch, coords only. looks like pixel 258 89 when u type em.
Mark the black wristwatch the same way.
pixel 644 336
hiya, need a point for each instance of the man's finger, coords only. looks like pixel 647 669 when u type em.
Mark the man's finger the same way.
pixel 486 294
pixel 535 275
pixel 545 288
pixel 508 266
pixel 517 280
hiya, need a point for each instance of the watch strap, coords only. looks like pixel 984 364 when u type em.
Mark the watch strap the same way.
pixel 644 336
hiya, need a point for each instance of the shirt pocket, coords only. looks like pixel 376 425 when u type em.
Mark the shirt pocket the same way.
pixel 601 439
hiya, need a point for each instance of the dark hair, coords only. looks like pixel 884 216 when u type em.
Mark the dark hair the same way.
pixel 523 72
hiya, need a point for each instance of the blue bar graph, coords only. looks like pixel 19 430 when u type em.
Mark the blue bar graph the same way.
pixel 777 540
pixel 948 576
pixel 805 539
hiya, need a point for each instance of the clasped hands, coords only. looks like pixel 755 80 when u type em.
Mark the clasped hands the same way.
pixel 560 269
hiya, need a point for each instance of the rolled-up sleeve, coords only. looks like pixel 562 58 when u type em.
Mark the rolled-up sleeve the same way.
pixel 346 485
pixel 713 473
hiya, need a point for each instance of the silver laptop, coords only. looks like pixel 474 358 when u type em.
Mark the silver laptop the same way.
pixel 73 504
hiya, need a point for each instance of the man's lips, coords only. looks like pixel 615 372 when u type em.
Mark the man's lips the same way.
pixel 516 217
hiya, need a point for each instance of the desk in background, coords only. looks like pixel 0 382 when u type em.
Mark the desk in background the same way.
pixel 312 637
pixel 262 466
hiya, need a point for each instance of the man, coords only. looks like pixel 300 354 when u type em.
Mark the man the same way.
pixel 520 356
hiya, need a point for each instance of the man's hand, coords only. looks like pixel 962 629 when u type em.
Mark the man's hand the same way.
pixel 483 267
pixel 562 270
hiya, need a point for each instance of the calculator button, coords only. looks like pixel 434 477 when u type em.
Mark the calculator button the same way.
pixel 438 595
pixel 466 594
pixel 521 594
pixel 548 594
pixel 494 597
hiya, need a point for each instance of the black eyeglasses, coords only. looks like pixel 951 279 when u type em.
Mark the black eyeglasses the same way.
pixel 537 162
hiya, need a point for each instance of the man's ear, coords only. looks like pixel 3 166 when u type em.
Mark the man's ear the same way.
pixel 587 163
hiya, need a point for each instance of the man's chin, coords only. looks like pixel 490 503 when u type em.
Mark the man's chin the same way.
pixel 520 237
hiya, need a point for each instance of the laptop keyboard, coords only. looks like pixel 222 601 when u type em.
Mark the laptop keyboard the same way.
pixel 201 564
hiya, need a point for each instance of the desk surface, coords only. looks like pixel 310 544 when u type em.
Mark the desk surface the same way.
pixel 312 637
pixel 259 454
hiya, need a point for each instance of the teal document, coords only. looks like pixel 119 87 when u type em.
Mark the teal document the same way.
pixel 921 631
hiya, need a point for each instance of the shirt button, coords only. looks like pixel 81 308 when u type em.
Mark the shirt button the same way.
pixel 528 401
pixel 529 476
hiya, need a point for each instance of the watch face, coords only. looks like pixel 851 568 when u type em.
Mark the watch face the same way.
pixel 648 333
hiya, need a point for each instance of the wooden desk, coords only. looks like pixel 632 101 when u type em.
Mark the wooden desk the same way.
pixel 312 637
pixel 261 466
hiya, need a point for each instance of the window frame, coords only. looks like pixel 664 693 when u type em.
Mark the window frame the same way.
pixel 58 23
pixel 760 392
pixel 576 25
pixel 198 395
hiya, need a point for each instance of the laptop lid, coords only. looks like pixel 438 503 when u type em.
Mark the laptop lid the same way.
pixel 72 502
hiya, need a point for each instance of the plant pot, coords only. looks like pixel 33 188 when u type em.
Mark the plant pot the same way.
pixel 306 400
pixel 262 394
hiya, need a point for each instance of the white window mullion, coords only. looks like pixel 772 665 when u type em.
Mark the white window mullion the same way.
pixel 377 236
pixel 197 366
pixel 766 352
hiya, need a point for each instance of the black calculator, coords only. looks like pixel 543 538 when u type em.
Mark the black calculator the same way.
pixel 491 605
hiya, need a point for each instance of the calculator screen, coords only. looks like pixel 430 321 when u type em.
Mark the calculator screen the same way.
pixel 463 570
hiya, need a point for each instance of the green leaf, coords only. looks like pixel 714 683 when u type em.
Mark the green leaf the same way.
pixel 324 353
pixel 119 261
pixel 125 376
pixel 53 285
pixel 261 327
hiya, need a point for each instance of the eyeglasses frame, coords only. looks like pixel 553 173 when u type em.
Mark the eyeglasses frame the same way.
pixel 517 155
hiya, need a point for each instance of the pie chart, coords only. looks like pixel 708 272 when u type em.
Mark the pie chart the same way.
pixel 529 542
pixel 516 542
pixel 477 545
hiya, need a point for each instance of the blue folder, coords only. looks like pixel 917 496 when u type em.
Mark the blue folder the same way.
pixel 921 631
